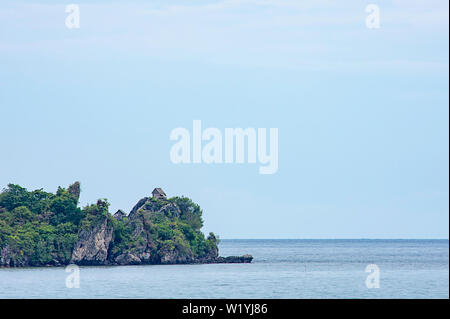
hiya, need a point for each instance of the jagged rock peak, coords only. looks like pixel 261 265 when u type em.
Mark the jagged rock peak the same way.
pixel 75 190
pixel 138 206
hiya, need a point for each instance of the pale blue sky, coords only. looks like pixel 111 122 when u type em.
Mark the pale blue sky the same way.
pixel 362 113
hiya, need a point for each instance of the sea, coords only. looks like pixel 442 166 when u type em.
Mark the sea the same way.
pixel 296 268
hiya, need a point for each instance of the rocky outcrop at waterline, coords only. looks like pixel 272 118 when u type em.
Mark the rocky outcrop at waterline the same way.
pixel 93 244
pixel 44 229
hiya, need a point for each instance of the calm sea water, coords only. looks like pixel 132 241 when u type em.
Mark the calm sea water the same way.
pixel 281 269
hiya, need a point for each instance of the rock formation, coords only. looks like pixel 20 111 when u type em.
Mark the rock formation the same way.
pixel 45 229
pixel 93 244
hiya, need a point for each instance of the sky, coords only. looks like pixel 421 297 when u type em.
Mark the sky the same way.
pixel 362 113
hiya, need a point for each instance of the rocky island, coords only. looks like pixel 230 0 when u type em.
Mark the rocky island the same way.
pixel 45 229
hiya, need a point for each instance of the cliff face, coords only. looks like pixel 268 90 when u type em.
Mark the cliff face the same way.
pixel 44 229
pixel 5 257
pixel 93 244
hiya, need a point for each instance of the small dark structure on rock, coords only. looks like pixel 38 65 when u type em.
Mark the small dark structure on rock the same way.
pixel 158 193
pixel 119 215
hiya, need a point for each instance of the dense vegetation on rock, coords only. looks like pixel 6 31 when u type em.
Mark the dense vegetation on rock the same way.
pixel 39 228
